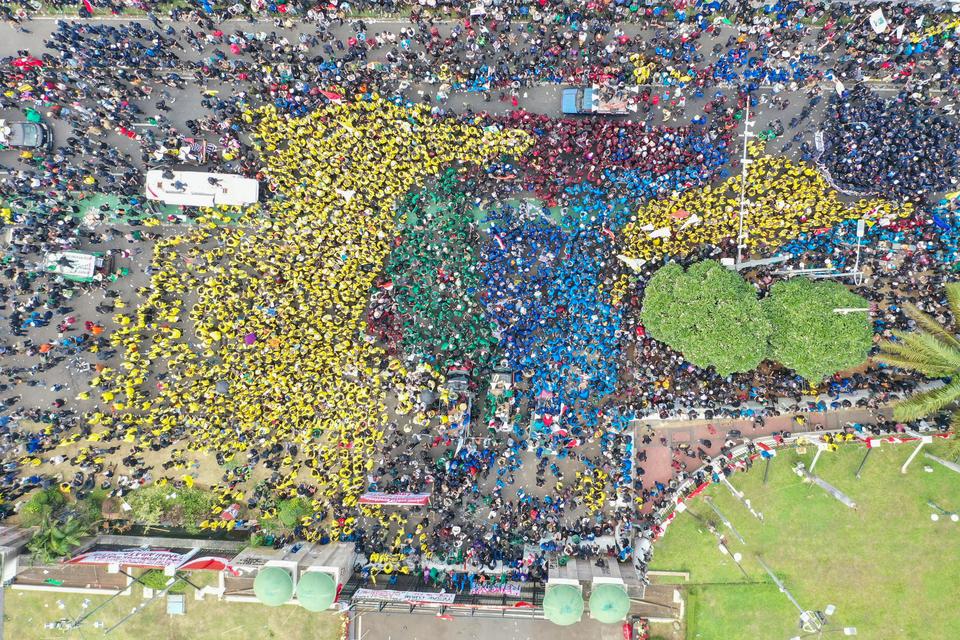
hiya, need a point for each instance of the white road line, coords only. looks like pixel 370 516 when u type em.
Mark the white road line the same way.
pixel 163 19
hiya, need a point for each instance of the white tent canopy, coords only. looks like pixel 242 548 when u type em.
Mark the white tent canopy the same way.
pixel 201 189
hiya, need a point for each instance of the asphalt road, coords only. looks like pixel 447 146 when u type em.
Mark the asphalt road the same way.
pixel 187 105
pixel 387 626
pixel 544 99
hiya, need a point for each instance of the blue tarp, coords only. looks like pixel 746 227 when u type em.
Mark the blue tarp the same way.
pixel 569 103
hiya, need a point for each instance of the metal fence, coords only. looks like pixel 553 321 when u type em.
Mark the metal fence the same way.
pixel 527 604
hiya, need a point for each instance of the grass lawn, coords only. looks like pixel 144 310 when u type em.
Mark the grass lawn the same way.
pixel 28 611
pixel 890 570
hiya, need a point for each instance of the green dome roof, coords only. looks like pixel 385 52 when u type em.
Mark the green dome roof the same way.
pixel 609 603
pixel 273 586
pixel 563 604
pixel 316 591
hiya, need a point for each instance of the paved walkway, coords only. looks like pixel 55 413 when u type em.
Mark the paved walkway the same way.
pixel 676 432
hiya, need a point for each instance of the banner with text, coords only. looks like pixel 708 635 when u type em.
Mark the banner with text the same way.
pixel 396 499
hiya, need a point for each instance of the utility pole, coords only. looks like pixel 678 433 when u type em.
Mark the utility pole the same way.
pixel 863 462
pixel 801 471
pixel 739 495
pixel 811 622
pixel 953 466
pixel 857 275
pixel 804 614
pixel 724 519
pixel 954 517
pixel 744 161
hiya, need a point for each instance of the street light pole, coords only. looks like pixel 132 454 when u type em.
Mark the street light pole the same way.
pixel 810 621
pixel 954 517
pixel 724 519
pixel 744 161
pixel 804 614
pixel 857 276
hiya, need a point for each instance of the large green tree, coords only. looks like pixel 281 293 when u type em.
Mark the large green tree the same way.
pixel 709 314
pixel 932 350
pixel 55 539
pixel 816 331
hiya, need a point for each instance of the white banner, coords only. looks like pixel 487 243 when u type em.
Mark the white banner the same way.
pixel 386 595
pixel 395 499
pixel 131 558
pixel 878 21
pixel 505 589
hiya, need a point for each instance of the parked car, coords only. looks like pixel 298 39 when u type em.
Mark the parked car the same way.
pixel 25 135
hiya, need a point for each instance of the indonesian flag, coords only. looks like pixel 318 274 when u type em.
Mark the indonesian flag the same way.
pixel 335 98
pixel 499 241
pixel 765 450
pixel 25 63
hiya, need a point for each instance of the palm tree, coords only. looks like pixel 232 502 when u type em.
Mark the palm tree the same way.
pixel 933 350
pixel 54 540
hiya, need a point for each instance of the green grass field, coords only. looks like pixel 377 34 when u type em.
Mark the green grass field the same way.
pixel 891 571
pixel 28 611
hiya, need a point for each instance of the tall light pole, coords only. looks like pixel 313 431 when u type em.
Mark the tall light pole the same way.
pixel 811 622
pixel 857 275
pixel 744 161
pixel 804 614
pixel 724 519
pixel 953 466
pixel 954 517
pixel 801 471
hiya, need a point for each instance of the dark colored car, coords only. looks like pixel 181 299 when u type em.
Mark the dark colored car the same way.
pixel 26 135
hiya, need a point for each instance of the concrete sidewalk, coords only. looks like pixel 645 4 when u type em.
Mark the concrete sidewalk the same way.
pixel 658 467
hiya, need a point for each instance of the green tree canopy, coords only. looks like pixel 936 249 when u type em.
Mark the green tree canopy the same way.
pixel 290 511
pixel 709 314
pixel 54 539
pixel 185 506
pixel 809 336
pixel 42 504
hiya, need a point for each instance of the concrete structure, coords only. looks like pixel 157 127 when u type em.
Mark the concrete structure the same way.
pixel 336 560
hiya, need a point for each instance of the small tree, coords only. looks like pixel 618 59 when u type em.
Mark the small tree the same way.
pixel 184 507
pixel 290 511
pixel 148 505
pixel 157 580
pixel 42 505
pixel 56 539
pixel 809 335
pixel 709 314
